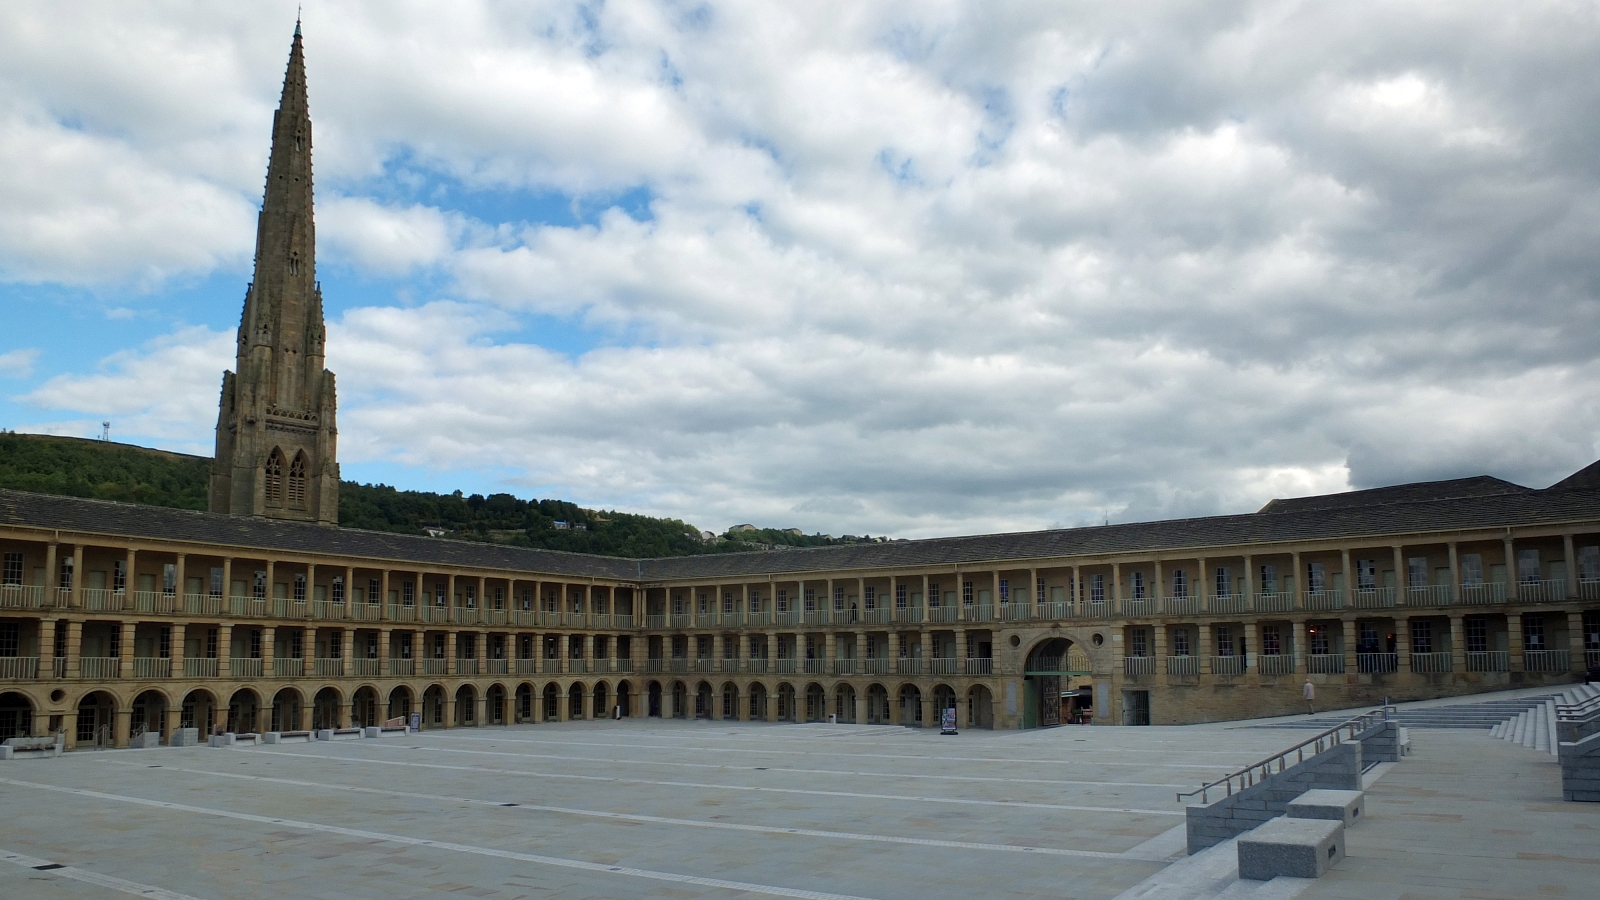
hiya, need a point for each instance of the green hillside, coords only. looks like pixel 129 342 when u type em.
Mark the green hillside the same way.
pixel 109 471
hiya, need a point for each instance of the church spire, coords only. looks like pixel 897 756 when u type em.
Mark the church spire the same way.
pixel 275 434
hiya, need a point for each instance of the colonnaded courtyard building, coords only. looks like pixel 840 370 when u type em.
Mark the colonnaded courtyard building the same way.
pixel 262 615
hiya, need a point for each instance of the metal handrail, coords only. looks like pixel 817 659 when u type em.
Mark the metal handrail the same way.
pixel 1577 712
pixel 1259 771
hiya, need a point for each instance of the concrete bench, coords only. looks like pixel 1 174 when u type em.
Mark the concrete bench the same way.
pixel 25 747
pixel 1341 806
pixel 383 731
pixel 339 734
pixel 288 737
pixel 248 737
pixel 1297 848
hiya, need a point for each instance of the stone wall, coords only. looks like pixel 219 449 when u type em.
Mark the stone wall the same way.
pixel 1336 769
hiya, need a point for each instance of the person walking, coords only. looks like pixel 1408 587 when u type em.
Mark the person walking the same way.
pixel 1309 692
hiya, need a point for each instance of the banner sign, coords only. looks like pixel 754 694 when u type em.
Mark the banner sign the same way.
pixel 947 721
pixel 416 722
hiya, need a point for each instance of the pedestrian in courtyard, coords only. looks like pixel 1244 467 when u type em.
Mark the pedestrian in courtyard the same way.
pixel 1309 692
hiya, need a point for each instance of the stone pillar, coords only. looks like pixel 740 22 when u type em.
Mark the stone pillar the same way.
pixel 715 712
pixel 311 585
pixel 1301 582
pixel 384 636
pixel 1571 552
pixel 830 652
pixel 225 651
pixel 306 710
pixel 227 582
pixel 1075 590
pixel 74 649
pixel 384 611
pixel 861 707
pixel 1160 648
pixel 666 701
pixel 308 655
pixel 1116 588
pixel 122 730
pixel 961 651
pixel 268 650
pixel 1203 646
pixel 1249 581
pixel 930 718
pixel 481 642
pixel 1576 660
pixel 1458 645
pixel 47 651
pixel 174 720
pixel 743 651
pixel 1349 644
pixel 1349 578
pixel 181 585
pixel 1402 643
pixel 52 576
pixel 481 714
pixel 772 705
pixel 894 652
pixel 1511 573
pixel 1455 574
pixel 75 597
pixel 452 610
pixel 125 649
pixel 718 642
pixel 347 651
pixel 1202 588
pixel 450 665
pixel 1252 650
pixel 450 709
pixel 1514 640
pixel 1301 648
pixel 347 707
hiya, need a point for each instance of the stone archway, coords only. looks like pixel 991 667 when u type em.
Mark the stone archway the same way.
pixel 702 701
pixel 625 698
pixel 877 705
pixel 466 705
pixel 523 706
pixel 364 707
pixel 433 705
pixel 980 707
pixel 494 705
pixel 286 710
pixel 552 702
pixel 244 711
pixel 149 714
pixel 758 702
pixel 95 715
pixel 786 702
pixel 325 709
pixel 16 715
pixel 400 702
pixel 199 711
pixel 730 701
pixel 602 701
pixel 910 705
pixel 1047 671
pixel 816 703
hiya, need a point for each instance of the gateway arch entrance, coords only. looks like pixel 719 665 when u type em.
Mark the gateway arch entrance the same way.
pixel 1047 678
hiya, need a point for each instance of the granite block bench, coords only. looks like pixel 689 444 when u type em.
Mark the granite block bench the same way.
pixel 288 737
pixel 1297 848
pixel 339 734
pixel 26 747
pixel 383 731
pixel 1341 806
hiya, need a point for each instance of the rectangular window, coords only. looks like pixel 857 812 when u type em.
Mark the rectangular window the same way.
pixel 869 597
pixel 13 570
pixel 258 589
pixel 1472 569
pixel 1180 642
pixel 1005 589
pixel 1527 565
pixel 338 589
pixel 164 642
pixel 255 643
pixel 439 597
pixel 1367 638
pixel 1039 587
pixel 297 645
pixel 1138 585
pixel 933 593
pixel 1138 642
pixel 1318 637
pixel 1224 640
pixel 211 643
pixel 727 603
pixel 1591 631
pixel 65 580
pixel 1417 572
pixel 169 579
pixel 408 592
pixel 1224 582
pixel 838 598
pixel 1097 588
pixel 299 587
pixel 216 581
pixel 10 639
pixel 1271 640
pixel 899 596
pixel 1269 579
pixel 811 646
pixel 966 593
pixel 755 601
pixel 1422 636
pixel 1366 575
pixel 811 600
pixel 1316 577
pixel 1180 584
pixel 782 600
pixel 1588 564
pixel 472 596
pixel 1533 633
pixel 119 575
pixel 1477 628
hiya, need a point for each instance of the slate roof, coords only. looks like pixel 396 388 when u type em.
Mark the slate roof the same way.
pixel 1522 506
pixel 1478 486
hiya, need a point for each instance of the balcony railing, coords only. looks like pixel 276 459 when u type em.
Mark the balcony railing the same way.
pixel 1428 595
pixel 874 666
pixel 1325 663
pixel 244 667
pixel 844 667
pixel 1430 663
pixel 1323 600
pixel 1143 606
pixel 434 666
pixel 1589 589
pixel 907 615
pixel 758 665
pixel 1544 591
pixel 909 665
pixel 980 665
pixel 21 596
pixel 1227 665
pixel 945 665
pixel 1190 605
pixel 1483 593
pixel 1016 611
pixel 151 667
pixel 366 668
pixel 944 613
pixel 1183 665
pixel 1275 664
pixel 1488 661
pixel 1373 598
pixel 200 667
pixel 1138 665
pixel 1377 663
pixel 1273 601
pixel 1546 660
pixel 14 667
pixel 1226 604
pixel 815 666
pixel 402 666
pixel 466 666
pixel 100 667
pixel 784 666
pixel 94 599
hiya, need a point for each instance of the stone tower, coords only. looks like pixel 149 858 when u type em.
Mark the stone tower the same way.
pixel 275 428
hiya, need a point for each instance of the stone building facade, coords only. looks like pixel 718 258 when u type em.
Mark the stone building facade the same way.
pixel 263 615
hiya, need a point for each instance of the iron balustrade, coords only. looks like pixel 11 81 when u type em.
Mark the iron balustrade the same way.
pixel 94 599
pixel 874 666
pixel 1138 665
pixel 327 609
pixel 1377 663
pixel 1546 660
pixel 99 667
pixel 980 665
pixel 1488 661
pixel 1275 664
pixel 435 666
pixel 1319 743
pixel 944 665
pixel 527 666
pixel 1144 606
pixel 1589 589
pixel 1186 606
pixel 22 596
pixel 1430 663
pixel 1325 663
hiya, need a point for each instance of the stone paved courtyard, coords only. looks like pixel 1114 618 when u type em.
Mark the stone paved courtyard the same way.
pixel 685 809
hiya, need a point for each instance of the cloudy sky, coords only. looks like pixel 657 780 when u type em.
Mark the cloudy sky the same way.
pixel 912 268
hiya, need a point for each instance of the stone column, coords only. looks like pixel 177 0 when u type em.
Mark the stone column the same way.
pixel 346 711
pixel 174 721
pixel 452 608
pixel 1349 644
pixel 1511 571
pixel 830 652
pixel 772 705
pixel 52 575
pixel 1402 578
pixel 450 709
pixel 1301 582
pixel 1402 643
pixel 451 667
pixel 481 714
pixel 74 649
pixel 1455 574
pixel 350 596
pixel 1155 588
pixel 181 587
pixel 227 582
pixel 1571 551
pixel 1301 649
pixel 717 645
pixel 481 642
pixel 347 651
pixel 225 651
pixel 1202 587
pixel 268 651
pixel 1458 645
pixel 125 649
pixel 75 597
pixel 1249 581
pixel 666 701
pixel 306 709
pixel 1576 661
pixel 384 612
pixel 861 707
pixel 894 652
pixel 1159 633
pixel 1203 646
pixel 123 727
pixel 1116 588
pixel 311 587
pixel 924 643
pixel 1075 590
pixel 961 651
pixel 47 651
pixel 1514 640
pixel 929 716
pixel 1349 578
pixel 1252 650
pixel 384 636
